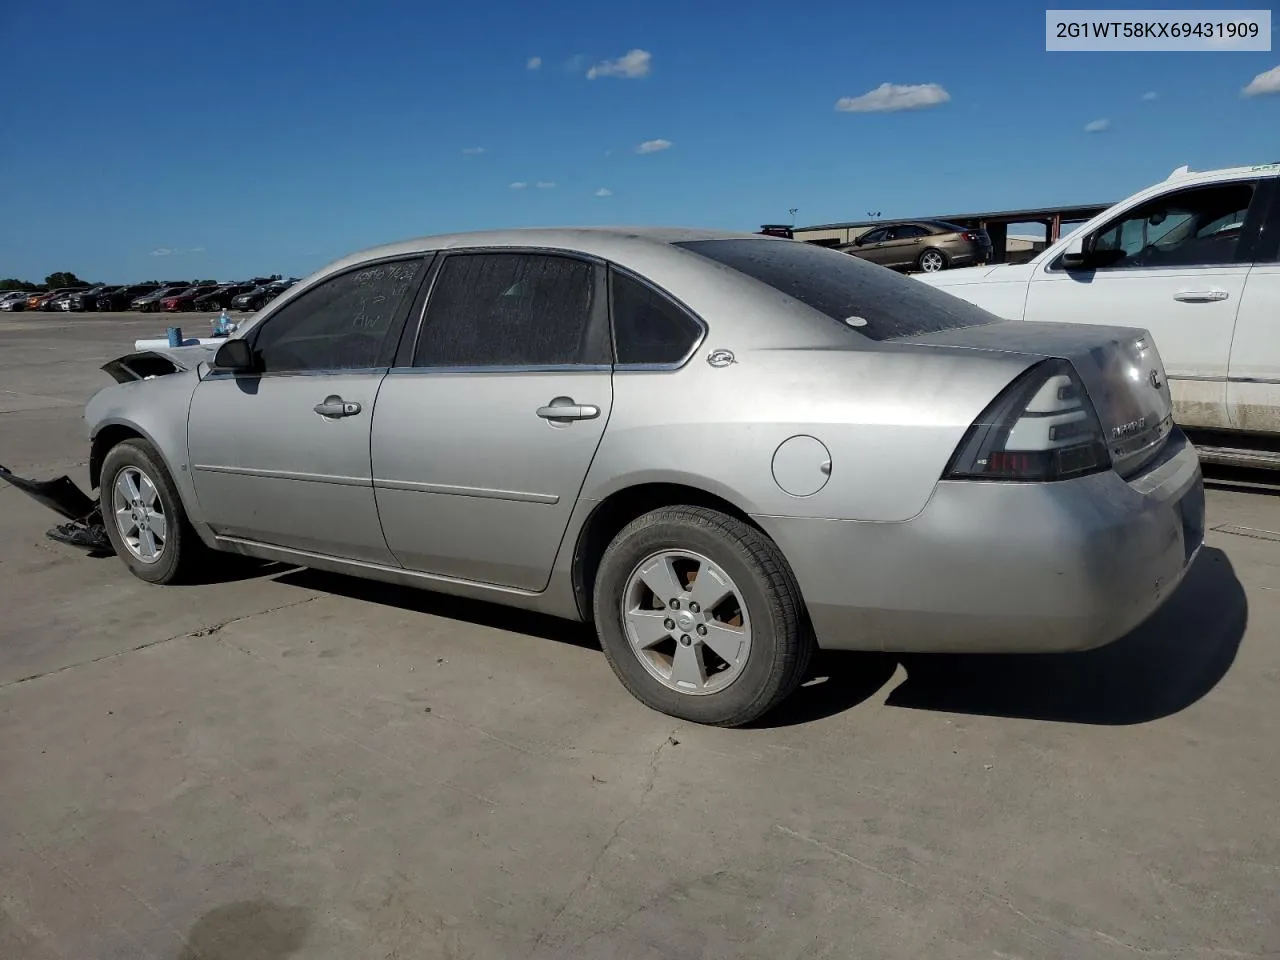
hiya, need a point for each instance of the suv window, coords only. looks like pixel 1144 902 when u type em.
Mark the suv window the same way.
pixel 511 310
pixel 888 304
pixel 1200 226
pixel 649 327
pixel 340 324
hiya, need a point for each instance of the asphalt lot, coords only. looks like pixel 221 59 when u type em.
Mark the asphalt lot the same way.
pixel 293 764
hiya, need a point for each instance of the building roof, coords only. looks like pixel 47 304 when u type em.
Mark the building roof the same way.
pixel 1075 212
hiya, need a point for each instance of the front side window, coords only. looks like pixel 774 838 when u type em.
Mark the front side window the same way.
pixel 340 324
pixel 864 298
pixel 1198 227
pixel 512 309
pixel 876 236
pixel 649 328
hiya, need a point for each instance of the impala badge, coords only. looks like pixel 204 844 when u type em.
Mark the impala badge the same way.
pixel 1128 429
pixel 1155 379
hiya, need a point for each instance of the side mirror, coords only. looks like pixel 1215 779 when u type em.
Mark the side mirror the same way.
pixel 1077 254
pixel 235 356
pixel 859 241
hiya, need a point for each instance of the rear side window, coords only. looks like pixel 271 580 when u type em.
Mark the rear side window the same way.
pixel 876 302
pixel 512 310
pixel 648 328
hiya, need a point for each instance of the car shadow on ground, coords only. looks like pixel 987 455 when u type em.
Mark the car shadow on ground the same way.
pixel 479 612
pixel 1162 667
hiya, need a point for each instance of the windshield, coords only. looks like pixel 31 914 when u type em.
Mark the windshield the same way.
pixel 872 300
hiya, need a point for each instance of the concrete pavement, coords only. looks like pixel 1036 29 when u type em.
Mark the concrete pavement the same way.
pixel 291 764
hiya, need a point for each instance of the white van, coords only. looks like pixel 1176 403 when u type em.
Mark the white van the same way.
pixel 1196 261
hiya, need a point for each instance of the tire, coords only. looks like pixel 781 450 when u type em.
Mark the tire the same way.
pixel 182 552
pixel 931 261
pixel 760 587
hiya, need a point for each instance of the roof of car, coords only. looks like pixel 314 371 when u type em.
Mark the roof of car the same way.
pixel 591 240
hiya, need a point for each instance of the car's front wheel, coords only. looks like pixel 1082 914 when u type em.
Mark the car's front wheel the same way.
pixel 700 616
pixel 143 515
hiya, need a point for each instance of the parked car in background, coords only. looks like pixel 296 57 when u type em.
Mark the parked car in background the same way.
pixel 1195 260
pixel 185 300
pixel 150 302
pixel 14 301
pixel 258 297
pixel 924 245
pixel 47 302
pixel 220 297
pixel 87 299
pixel 119 298
pixel 625 444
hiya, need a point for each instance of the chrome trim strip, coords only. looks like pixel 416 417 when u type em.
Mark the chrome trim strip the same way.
pixel 484 493
pixel 1265 380
pixel 336 372
pixel 497 370
pixel 284 475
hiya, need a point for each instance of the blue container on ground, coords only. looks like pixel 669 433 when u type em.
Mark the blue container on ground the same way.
pixel 175 336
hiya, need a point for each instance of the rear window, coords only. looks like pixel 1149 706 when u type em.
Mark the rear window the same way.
pixel 872 300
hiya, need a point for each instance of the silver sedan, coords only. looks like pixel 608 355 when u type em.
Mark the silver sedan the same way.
pixel 724 451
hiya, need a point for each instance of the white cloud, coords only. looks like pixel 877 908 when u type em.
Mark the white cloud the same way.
pixel 574 63
pixel 1268 82
pixel 196 250
pixel 472 151
pixel 519 185
pixel 1097 126
pixel 546 184
pixel 161 252
pixel 533 63
pixel 890 97
pixel 1150 95
pixel 653 146
pixel 631 66
pixel 604 192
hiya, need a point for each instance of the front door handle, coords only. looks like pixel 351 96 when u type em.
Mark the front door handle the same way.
pixel 1201 296
pixel 565 409
pixel 334 406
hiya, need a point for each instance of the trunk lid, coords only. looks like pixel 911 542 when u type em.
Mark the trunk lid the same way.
pixel 1120 368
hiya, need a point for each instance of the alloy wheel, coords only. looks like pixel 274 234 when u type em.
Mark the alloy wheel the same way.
pixel 687 622
pixel 139 515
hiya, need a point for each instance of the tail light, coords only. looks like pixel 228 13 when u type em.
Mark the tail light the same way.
pixel 1042 427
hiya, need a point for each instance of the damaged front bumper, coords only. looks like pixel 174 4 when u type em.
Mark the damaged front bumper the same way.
pixel 84 527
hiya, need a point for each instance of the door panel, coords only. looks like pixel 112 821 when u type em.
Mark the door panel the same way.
pixel 1253 391
pixel 1192 332
pixel 470 481
pixel 267 467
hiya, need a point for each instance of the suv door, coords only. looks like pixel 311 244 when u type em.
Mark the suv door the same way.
pixel 481 445
pixel 281 456
pixel 1253 381
pixel 1181 262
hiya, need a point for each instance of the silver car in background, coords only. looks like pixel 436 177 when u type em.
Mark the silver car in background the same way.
pixel 722 450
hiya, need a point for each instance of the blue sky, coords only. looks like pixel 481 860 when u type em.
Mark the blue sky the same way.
pixel 250 137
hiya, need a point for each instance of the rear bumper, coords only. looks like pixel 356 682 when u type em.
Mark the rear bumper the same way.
pixel 1004 567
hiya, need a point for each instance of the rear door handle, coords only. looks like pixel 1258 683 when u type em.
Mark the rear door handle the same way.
pixel 1201 296
pixel 564 408
pixel 334 406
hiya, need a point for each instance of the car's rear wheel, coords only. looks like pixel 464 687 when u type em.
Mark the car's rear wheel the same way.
pixel 143 515
pixel 700 616
pixel 931 261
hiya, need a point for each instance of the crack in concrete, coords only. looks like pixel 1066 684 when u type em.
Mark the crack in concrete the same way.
pixel 198 632
pixel 651 777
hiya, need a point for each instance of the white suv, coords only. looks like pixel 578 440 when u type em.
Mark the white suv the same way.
pixel 1196 261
